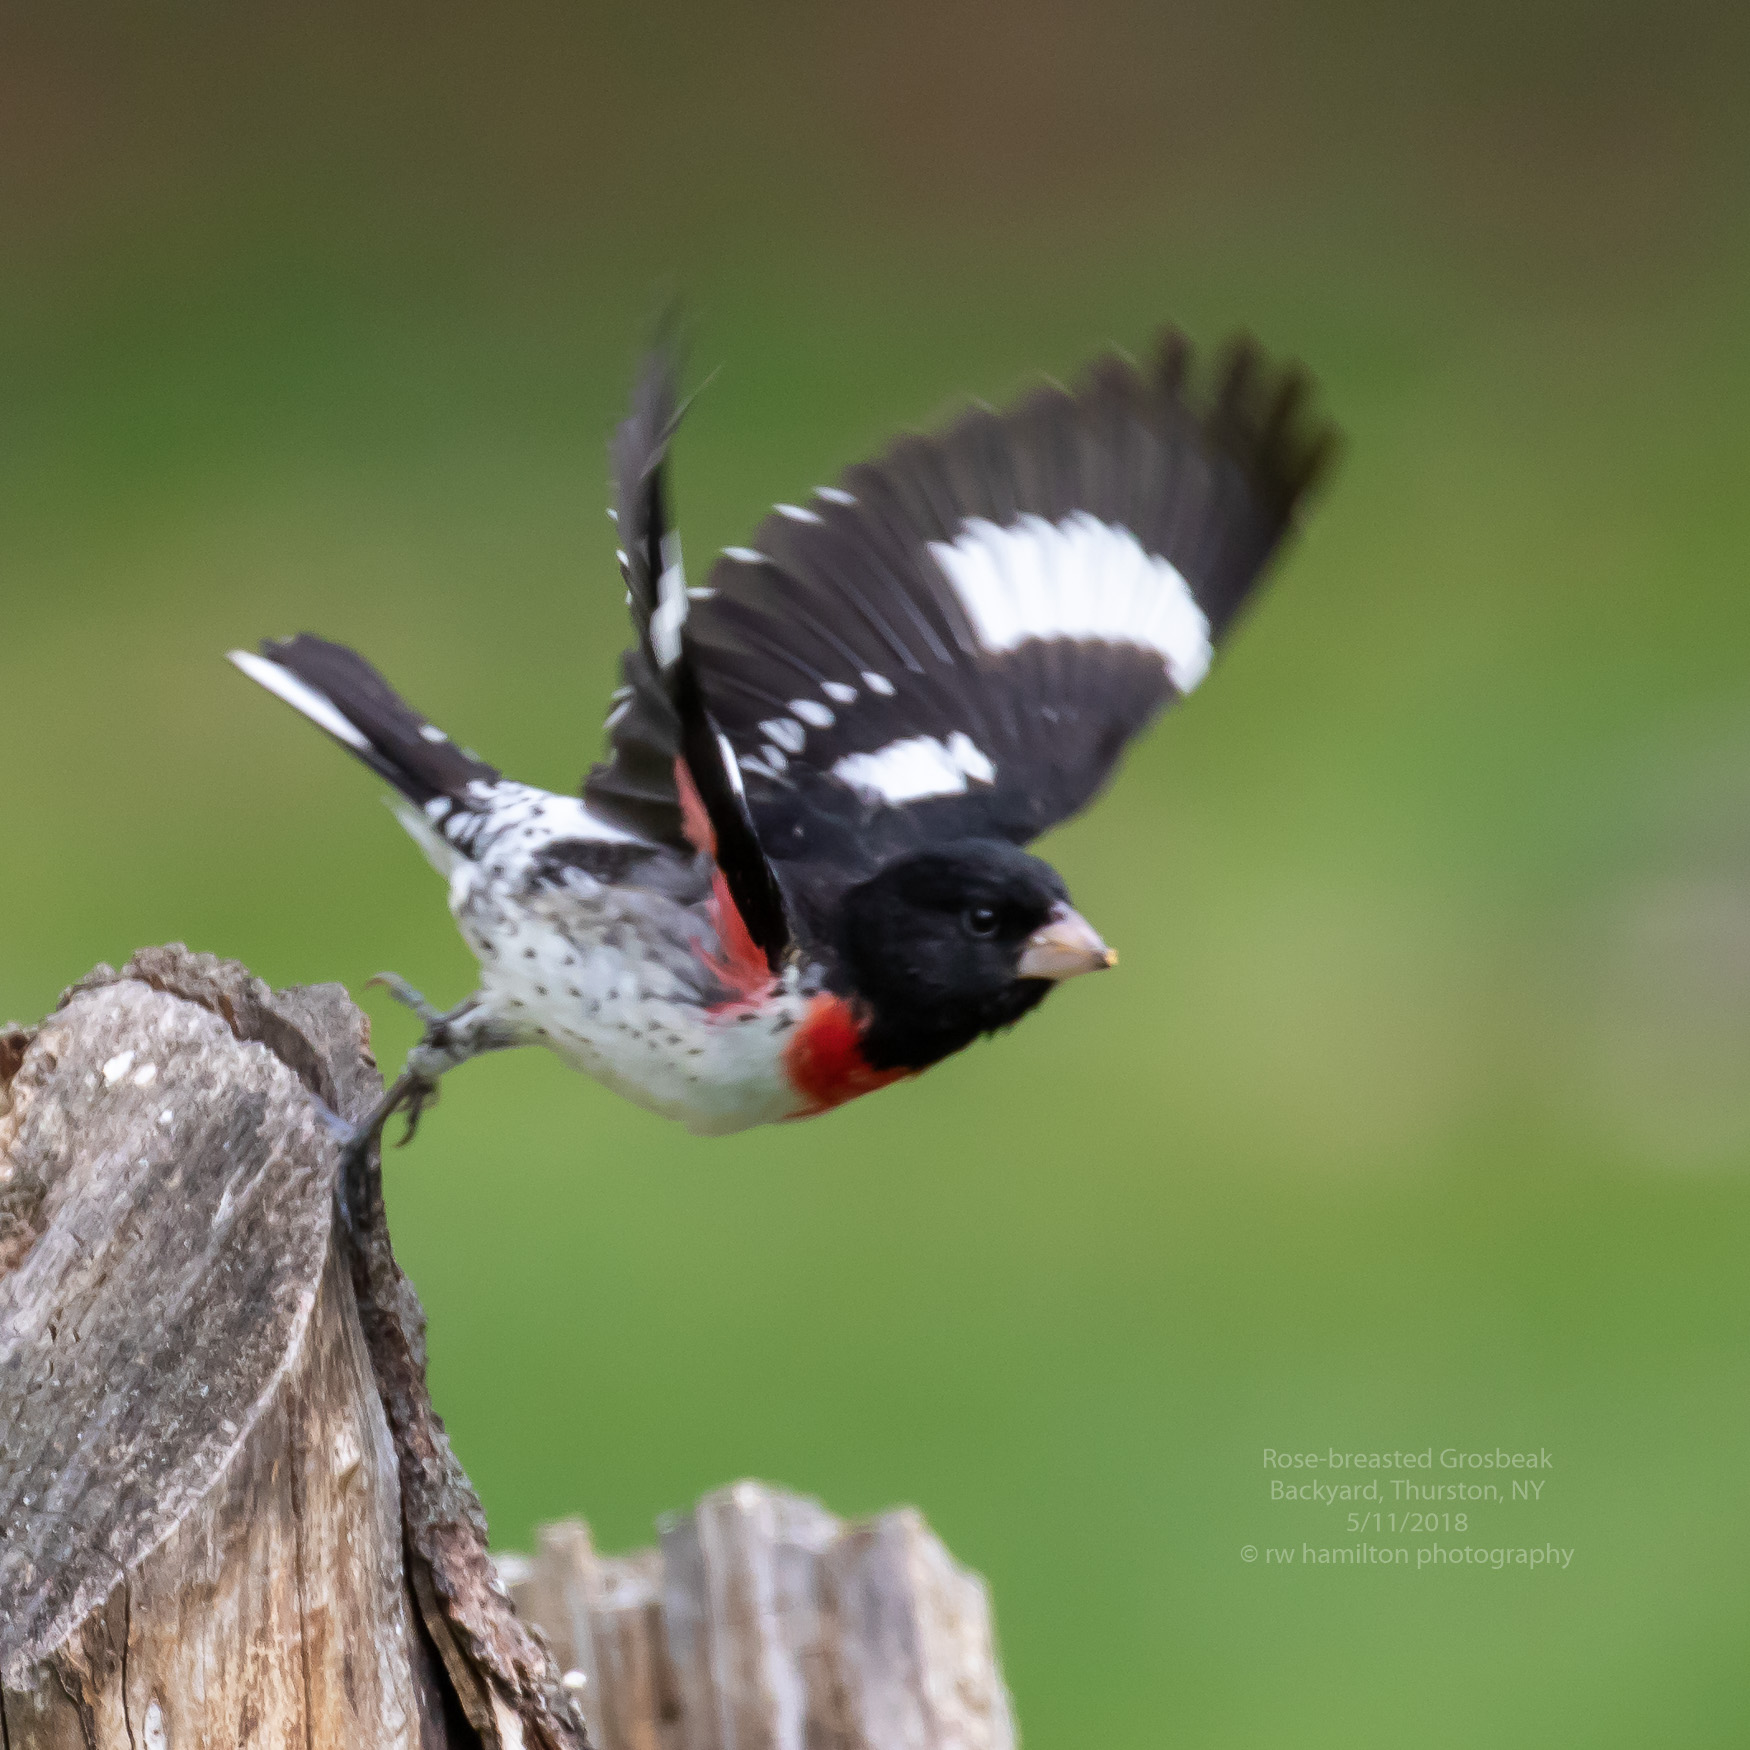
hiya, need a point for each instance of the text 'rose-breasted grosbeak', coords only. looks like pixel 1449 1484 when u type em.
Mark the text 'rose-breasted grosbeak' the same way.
pixel 799 875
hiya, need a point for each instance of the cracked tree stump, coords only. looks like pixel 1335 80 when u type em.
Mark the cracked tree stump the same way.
pixel 229 1515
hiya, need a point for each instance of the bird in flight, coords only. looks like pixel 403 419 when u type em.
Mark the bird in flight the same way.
pixel 800 873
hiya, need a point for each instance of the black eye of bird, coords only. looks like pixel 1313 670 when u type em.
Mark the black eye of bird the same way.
pixel 981 920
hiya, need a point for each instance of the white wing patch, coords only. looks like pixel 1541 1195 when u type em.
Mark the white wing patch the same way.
pixel 1080 578
pixel 916 768
pixel 301 697
pixel 785 732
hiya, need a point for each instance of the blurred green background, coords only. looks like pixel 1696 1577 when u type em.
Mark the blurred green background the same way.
pixel 1419 1112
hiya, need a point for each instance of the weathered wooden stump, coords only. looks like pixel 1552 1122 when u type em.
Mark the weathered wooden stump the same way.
pixel 762 1620
pixel 229 1515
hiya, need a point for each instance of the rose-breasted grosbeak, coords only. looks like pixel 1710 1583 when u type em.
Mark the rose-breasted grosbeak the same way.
pixel 799 875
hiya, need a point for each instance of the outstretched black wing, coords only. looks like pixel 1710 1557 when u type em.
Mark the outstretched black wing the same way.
pixel 959 639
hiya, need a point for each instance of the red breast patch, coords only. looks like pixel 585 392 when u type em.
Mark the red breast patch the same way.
pixel 824 1059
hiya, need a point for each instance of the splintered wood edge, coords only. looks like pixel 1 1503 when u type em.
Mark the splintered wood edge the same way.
pixel 196 1479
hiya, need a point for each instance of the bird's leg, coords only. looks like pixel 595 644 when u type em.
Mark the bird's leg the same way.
pixel 449 1039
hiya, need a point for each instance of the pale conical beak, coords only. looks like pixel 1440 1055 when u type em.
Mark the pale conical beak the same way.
pixel 1065 945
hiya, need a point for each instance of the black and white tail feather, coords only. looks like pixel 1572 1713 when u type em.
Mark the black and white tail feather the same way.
pixel 341 693
pixel 453 802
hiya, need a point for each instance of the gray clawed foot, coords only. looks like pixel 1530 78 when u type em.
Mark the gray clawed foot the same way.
pixel 416 1087
pixel 419 1093
pixel 409 1093
pixel 448 1039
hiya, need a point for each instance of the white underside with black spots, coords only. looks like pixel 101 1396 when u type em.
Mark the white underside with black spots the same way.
pixel 614 979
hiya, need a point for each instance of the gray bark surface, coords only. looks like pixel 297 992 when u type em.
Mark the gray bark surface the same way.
pixel 228 1514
